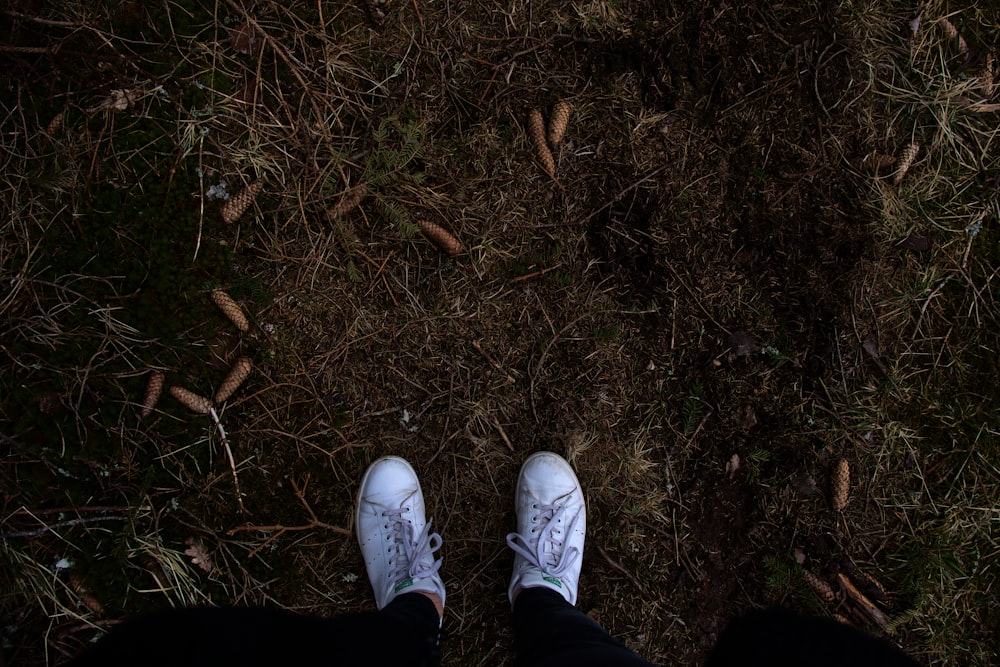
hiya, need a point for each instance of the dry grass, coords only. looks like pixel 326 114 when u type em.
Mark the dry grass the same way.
pixel 705 283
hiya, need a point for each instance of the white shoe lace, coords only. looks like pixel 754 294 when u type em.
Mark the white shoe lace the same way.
pixel 417 550
pixel 546 551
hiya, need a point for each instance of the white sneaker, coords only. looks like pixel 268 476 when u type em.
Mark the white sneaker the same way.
pixel 551 527
pixel 395 538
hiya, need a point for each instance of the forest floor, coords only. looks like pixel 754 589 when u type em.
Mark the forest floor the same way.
pixel 725 292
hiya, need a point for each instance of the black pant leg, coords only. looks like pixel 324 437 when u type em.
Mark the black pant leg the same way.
pixel 550 632
pixel 404 634
pixel 781 638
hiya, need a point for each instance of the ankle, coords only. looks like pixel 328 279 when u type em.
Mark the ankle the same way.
pixel 436 599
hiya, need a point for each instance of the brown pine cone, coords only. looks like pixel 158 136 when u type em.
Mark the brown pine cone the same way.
pixel 86 598
pixel 349 200
pixel 875 163
pixel 230 309
pixel 55 124
pixel 441 238
pixel 191 400
pixel 154 387
pixel 559 121
pixel 239 372
pixel 240 202
pixel 906 159
pixel 819 586
pixel 988 82
pixel 841 484
pixel 536 131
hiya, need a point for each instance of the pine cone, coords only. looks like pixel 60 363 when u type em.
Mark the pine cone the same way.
pixel 55 124
pixel 154 387
pixel 953 34
pixel 536 130
pixel 949 28
pixel 819 586
pixel 559 121
pixel 841 484
pixel 875 163
pixel 906 159
pixel 191 400
pixel 241 369
pixel 441 238
pixel 86 598
pixel 240 202
pixel 230 309
pixel 987 76
pixel 349 200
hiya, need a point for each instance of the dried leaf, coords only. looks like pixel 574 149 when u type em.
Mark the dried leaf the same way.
pixel 244 39
pixel 349 201
pixel 154 387
pixel 841 484
pixel 379 10
pixel 559 121
pixel 742 343
pixel 191 400
pixel 915 25
pixel 441 238
pixel 870 345
pixel 230 309
pixel 804 484
pixel 746 417
pixel 819 586
pixel 237 205
pixel 906 159
pixel 916 243
pixel 536 131
pixel 199 555
pixel 239 372
pixel 733 464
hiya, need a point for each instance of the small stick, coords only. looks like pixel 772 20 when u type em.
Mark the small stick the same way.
pixel 866 605
pixel 59 524
pixel 487 357
pixel 618 566
pixel 503 434
pixel 529 276
pixel 229 454
pixel 280 529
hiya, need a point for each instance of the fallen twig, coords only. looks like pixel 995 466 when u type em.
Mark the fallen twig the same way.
pixel 59 524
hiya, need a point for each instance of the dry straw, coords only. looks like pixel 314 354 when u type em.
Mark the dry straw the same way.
pixel 237 205
pixel 536 131
pixel 441 238
pixel 154 387
pixel 230 309
pixel 239 372
pixel 191 400
pixel 559 121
